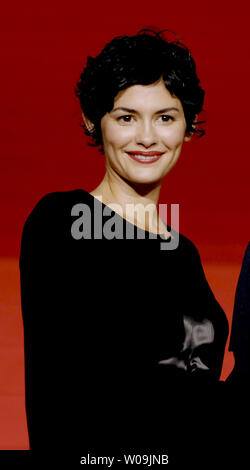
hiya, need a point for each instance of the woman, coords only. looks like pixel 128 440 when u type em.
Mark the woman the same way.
pixel 117 321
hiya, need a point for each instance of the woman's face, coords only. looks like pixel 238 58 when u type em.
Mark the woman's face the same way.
pixel 143 133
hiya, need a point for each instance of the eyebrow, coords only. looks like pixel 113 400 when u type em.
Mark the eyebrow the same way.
pixel 130 110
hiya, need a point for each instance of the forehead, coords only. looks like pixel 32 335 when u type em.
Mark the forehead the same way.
pixel 150 96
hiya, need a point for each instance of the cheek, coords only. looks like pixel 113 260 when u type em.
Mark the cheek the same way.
pixel 116 136
pixel 173 137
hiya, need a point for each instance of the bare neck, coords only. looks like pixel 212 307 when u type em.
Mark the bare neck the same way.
pixel 136 203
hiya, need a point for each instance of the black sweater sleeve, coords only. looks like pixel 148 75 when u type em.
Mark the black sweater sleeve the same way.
pixel 45 345
pixel 207 327
pixel 240 334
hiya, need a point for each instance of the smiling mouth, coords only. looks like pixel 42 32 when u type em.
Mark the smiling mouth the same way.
pixel 145 157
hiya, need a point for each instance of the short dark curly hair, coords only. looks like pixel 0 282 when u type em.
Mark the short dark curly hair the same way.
pixel 141 59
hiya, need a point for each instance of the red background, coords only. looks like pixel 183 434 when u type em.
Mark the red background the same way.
pixel 43 149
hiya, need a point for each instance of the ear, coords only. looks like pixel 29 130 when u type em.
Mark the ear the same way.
pixel 90 126
pixel 189 135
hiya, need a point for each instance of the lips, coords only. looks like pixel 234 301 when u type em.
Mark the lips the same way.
pixel 145 157
pixel 145 154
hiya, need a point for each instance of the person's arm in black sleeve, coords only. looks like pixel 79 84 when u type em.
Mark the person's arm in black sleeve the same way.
pixel 206 327
pixel 42 310
pixel 204 323
pixel 240 333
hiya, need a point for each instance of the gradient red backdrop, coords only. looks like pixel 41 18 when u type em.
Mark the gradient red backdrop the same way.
pixel 43 149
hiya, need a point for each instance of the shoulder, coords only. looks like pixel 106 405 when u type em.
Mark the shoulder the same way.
pixel 58 200
pixel 244 276
pixel 185 246
pixel 246 258
pixel 47 220
pixel 52 206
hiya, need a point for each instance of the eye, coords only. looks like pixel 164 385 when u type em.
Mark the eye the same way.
pixel 166 118
pixel 125 118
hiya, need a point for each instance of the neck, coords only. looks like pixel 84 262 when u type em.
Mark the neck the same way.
pixel 135 202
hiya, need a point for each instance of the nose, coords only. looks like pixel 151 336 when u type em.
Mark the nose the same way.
pixel 146 135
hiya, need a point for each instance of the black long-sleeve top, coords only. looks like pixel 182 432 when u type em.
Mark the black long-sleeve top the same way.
pixel 117 331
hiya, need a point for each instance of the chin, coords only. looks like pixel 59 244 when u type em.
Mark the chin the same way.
pixel 145 180
pixel 147 177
